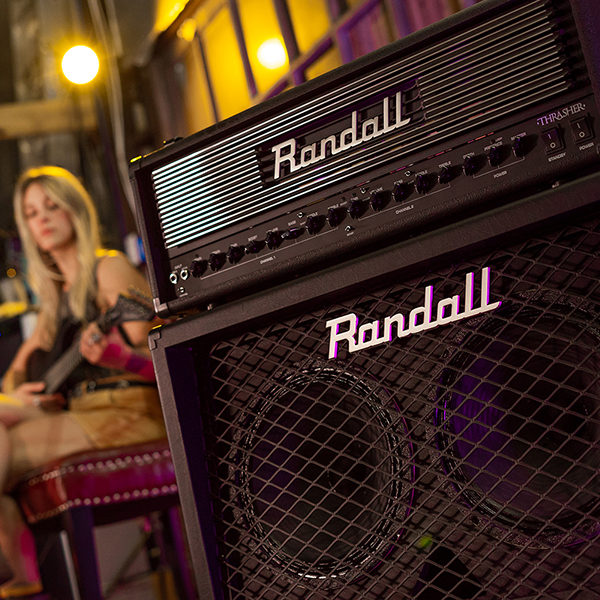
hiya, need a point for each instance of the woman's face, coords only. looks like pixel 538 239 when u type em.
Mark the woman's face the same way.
pixel 50 225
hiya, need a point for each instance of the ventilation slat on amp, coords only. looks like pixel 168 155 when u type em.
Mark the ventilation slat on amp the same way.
pixel 503 69
pixel 207 204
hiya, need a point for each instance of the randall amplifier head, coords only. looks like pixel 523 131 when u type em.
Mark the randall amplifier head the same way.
pixel 420 423
pixel 480 109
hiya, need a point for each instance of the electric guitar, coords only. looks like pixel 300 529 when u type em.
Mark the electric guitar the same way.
pixel 125 309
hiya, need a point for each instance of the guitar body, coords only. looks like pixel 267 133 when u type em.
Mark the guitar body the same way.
pixel 41 360
pixel 37 364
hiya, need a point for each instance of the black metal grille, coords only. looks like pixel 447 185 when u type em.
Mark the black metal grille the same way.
pixel 458 462
pixel 324 478
pixel 516 426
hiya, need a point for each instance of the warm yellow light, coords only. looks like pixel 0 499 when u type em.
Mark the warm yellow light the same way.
pixel 11 272
pixel 187 30
pixel 165 12
pixel 11 309
pixel 271 54
pixel 80 64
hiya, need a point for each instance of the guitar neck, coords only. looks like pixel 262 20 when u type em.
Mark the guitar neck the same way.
pixel 57 374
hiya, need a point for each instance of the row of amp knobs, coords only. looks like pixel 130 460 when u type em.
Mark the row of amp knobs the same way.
pixel 422 183
pixel 218 259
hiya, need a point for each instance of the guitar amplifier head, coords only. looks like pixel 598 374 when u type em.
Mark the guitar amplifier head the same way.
pixel 486 107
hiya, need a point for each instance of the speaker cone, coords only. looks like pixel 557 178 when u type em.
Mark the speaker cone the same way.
pixel 323 474
pixel 518 417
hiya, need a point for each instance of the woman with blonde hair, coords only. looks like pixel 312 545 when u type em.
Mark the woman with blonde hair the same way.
pixel 109 398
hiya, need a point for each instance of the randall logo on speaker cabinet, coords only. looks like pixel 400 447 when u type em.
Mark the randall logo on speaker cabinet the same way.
pixel 377 116
pixel 419 318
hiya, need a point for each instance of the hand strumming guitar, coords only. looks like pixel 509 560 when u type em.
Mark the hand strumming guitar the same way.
pixel 32 394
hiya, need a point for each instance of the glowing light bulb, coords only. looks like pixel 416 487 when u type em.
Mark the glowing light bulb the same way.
pixel 271 54
pixel 187 30
pixel 80 64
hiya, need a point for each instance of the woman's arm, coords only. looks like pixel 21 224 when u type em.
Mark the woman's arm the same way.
pixel 112 351
pixel 117 276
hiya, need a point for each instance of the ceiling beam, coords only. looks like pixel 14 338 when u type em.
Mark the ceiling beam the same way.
pixel 41 117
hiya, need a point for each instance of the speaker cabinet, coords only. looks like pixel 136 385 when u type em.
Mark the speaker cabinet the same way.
pixel 421 423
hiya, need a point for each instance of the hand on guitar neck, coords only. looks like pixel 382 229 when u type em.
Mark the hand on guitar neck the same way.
pixel 125 310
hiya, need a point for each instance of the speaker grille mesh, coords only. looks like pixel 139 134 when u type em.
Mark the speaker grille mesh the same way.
pixel 458 462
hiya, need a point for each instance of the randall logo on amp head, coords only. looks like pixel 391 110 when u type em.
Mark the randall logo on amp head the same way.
pixel 488 106
pixel 289 158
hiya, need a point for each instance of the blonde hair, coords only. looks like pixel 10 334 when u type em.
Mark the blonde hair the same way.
pixel 64 189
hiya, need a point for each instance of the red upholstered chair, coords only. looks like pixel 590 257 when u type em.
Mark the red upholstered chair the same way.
pixel 64 499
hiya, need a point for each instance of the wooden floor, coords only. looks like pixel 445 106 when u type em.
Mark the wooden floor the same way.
pixel 145 587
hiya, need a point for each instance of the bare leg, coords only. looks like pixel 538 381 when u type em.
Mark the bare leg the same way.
pixel 16 540
pixel 11 415
pixel 34 442
pixel 29 444
pixel 17 543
